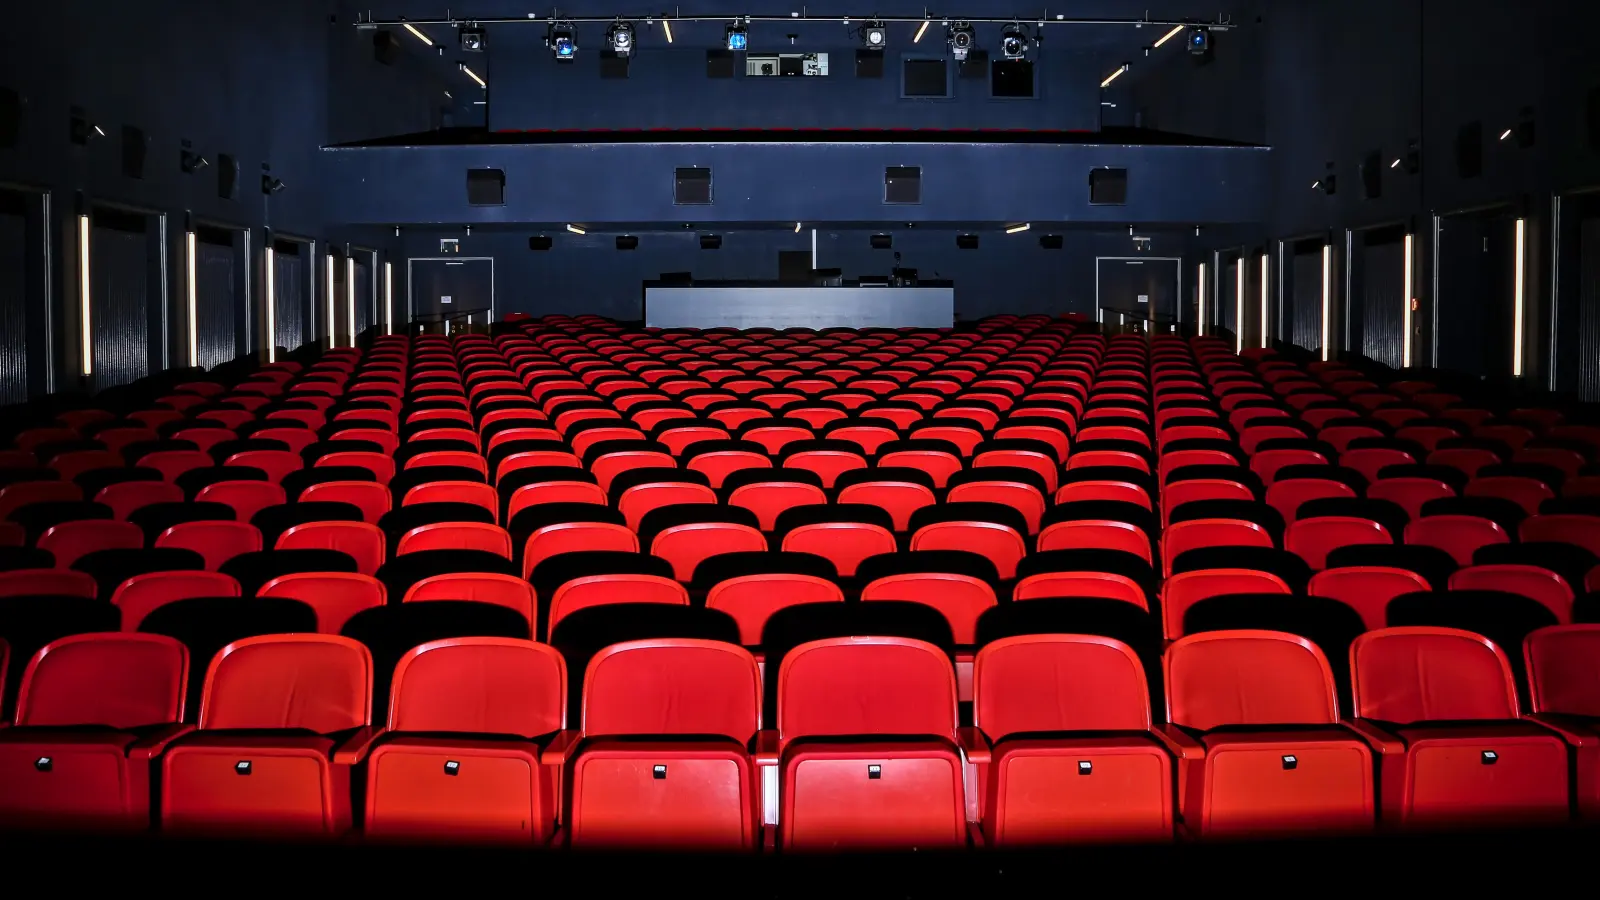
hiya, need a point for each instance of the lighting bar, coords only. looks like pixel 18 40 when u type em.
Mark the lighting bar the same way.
pixel 1115 75
pixel 272 303
pixel 474 76
pixel 1200 329
pixel 1265 291
pixel 87 348
pixel 1238 308
pixel 921 31
pixel 388 298
pixel 420 36
pixel 333 308
pixel 1519 298
pixel 666 28
pixel 192 291
pixel 575 229
pixel 1405 317
pixel 1505 134
pixel 350 297
pixel 1176 30
pixel 797 228
pixel 1327 297
pixel 1015 229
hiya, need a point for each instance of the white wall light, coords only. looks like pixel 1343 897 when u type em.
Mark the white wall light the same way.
pixel 1327 297
pixel 272 303
pixel 1200 326
pixel 388 298
pixel 1238 308
pixel 192 292
pixel 350 296
pixel 333 305
pixel 1405 316
pixel 1266 289
pixel 86 354
pixel 1519 288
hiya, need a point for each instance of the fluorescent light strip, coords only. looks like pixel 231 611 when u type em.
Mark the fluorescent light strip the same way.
pixel 797 228
pixel 388 298
pixel 272 304
pixel 192 291
pixel 1505 134
pixel 576 230
pixel 1265 291
pixel 667 28
pixel 1518 297
pixel 87 348
pixel 1405 317
pixel 333 306
pixel 1200 326
pixel 420 36
pixel 1114 76
pixel 474 76
pixel 1238 308
pixel 1015 229
pixel 1169 35
pixel 350 297
pixel 921 31
pixel 1327 296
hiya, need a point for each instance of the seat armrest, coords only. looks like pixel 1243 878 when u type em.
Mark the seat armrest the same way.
pixel 767 748
pixel 355 747
pixel 560 748
pixel 974 746
pixel 1382 742
pixel 153 745
pixel 1179 743
pixel 1578 737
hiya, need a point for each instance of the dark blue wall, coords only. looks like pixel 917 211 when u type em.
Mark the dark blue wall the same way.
pixel 587 274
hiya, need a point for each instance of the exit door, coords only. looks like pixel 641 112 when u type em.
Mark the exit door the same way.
pixel 452 290
pixel 1144 289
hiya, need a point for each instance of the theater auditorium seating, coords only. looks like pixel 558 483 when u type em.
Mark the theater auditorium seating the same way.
pixel 578 583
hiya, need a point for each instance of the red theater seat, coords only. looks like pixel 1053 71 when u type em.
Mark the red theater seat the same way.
pixel 752 599
pixel 486 781
pixel 868 758
pixel 1069 764
pixel 333 596
pixel 93 710
pixel 1258 739
pixel 961 599
pixel 216 542
pixel 604 590
pixel 308 701
pixel 1366 589
pixel 664 760
pixel 360 541
pixel 456 536
pixel 686 546
pixel 142 594
pixel 845 544
pixel 1002 545
pixel 70 540
pixel 1441 706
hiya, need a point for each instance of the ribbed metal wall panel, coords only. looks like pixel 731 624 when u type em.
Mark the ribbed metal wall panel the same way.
pixel 119 306
pixel 13 307
pixel 1589 311
pixel 1227 297
pixel 217 303
pixel 289 286
pixel 1382 283
pixel 1305 293
pixel 364 316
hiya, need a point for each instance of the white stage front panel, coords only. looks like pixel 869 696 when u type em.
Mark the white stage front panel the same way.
pixel 799 307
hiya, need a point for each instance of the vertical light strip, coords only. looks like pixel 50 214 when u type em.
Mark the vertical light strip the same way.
pixel 1327 296
pixel 192 291
pixel 350 296
pixel 1518 298
pixel 1266 291
pixel 272 304
pixel 388 298
pixel 1410 299
pixel 333 305
pixel 1238 307
pixel 1200 326
pixel 86 354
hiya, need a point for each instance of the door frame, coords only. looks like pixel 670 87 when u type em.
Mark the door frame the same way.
pixel 308 325
pixel 44 336
pixel 411 300
pixel 1436 264
pixel 1347 279
pixel 164 290
pixel 1177 297
pixel 244 342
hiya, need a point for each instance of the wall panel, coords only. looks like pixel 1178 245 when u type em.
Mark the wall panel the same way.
pixel 14 299
pixel 120 301
pixel 217 304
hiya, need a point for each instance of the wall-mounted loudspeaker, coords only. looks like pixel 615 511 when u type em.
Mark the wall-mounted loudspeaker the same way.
pixel 1372 176
pixel 385 47
pixel 1108 187
pixel 869 63
pixel 135 146
pixel 1592 114
pixel 486 187
pixel 627 242
pixel 902 184
pixel 966 242
pixel 10 117
pixel 1051 241
pixel 540 242
pixel 720 63
pixel 882 242
pixel 691 187
pixel 710 242
pixel 227 176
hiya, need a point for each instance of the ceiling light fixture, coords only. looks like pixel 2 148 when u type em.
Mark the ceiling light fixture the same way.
pixel 420 36
pixel 575 229
pixel 473 75
pixel 1015 229
pixel 921 31
pixel 1115 75
pixel 1176 30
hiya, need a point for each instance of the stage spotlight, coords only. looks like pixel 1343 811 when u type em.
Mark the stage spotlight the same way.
pixel 738 39
pixel 875 35
pixel 1013 43
pixel 961 39
pixel 1200 41
pixel 562 43
pixel 473 38
pixel 620 37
